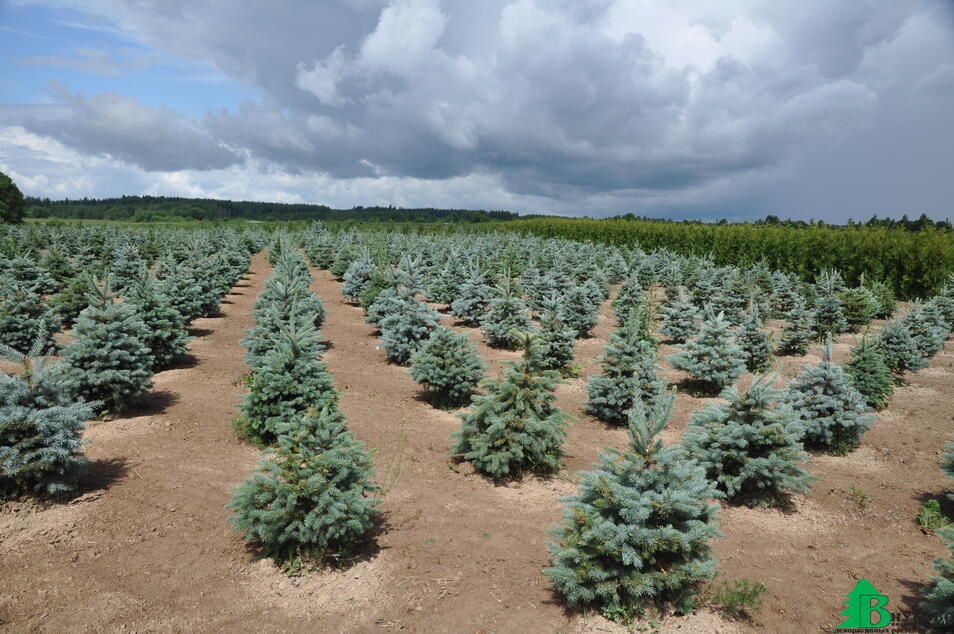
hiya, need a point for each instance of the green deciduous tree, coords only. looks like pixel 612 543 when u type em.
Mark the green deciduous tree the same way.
pixel 11 201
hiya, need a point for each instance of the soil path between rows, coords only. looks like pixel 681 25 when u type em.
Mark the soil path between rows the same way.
pixel 148 546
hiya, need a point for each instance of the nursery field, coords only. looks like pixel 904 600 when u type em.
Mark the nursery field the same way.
pixel 282 355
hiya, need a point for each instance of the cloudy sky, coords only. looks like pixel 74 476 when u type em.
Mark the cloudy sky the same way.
pixel 823 109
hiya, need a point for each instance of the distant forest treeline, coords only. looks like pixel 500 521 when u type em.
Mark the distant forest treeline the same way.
pixel 166 208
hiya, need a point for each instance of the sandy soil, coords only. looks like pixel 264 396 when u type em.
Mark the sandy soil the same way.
pixel 147 546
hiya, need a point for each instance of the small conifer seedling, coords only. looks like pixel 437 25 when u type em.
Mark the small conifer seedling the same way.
pixel 834 413
pixel 712 358
pixel 108 360
pixel 750 445
pixel 514 428
pixel 310 498
pixel 447 366
pixel 638 532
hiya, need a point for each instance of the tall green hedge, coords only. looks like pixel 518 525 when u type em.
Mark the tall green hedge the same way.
pixel 915 263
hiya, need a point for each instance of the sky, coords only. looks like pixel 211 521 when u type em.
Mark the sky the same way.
pixel 806 109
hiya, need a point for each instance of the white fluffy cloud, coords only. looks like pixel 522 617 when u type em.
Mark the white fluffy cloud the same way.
pixel 725 107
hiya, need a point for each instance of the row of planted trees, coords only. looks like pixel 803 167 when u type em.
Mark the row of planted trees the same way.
pixel 311 499
pixel 747 449
pixel 131 323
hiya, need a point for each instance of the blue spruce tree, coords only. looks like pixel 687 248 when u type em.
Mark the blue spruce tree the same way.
pixel 755 342
pixel 406 328
pixel 829 314
pixel 929 333
pixel 283 302
pixel 750 445
pixel 869 374
pixel 472 298
pixel 289 380
pixel 448 367
pixel 181 285
pixel 506 315
pixel 638 532
pixel 41 428
pixel 557 340
pixel 835 415
pixel 859 306
pixel 165 334
pixel 126 265
pixel 24 317
pixel 713 359
pixel 107 361
pixel 514 428
pixel 630 296
pixel 24 271
pixel 627 374
pixel 679 316
pixel 357 277
pixel 580 310
pixel 799 330
pixel 939 595
pixel 899 348
pixel 309 499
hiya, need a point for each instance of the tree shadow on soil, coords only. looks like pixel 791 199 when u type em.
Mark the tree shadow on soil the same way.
pixel 696 388
pixel 199 332
pixel 910 602
pixel 784 503
pixel 102 474
pixel 152 403
pixel 435 400
pixel 183 362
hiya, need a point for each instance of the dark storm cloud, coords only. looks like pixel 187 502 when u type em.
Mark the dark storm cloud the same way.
pixel 601 104
pixel 121 127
